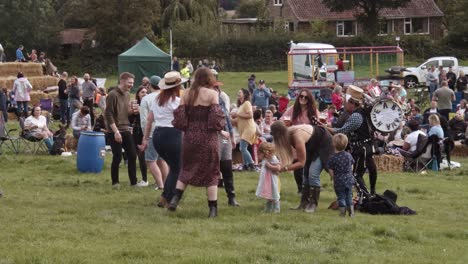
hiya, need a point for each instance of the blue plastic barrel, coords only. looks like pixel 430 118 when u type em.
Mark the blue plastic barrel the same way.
pixel 91 152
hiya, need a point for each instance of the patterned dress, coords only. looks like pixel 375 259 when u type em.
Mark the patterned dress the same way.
pixel 200 154
pixel 268 183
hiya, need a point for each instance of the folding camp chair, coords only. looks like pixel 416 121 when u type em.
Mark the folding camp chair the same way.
pixel 29 143
pixel 6 139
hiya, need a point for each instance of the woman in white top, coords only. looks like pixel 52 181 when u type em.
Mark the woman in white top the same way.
pixel 35 127
pixel 167 140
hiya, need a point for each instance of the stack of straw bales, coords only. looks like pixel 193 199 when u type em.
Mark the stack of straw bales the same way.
pixel 28 69
pixel 389 163
pixel 32 71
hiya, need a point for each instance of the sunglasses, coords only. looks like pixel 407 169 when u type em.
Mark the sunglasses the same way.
pixel 303 97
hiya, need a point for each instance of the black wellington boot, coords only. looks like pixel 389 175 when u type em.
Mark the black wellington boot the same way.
pixel 213 205
pixel 175 200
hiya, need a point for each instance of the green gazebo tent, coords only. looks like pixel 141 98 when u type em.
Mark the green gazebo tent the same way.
pixel 144 59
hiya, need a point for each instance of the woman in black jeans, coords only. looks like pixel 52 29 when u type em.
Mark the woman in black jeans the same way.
pixel 167 140
pixel 138 137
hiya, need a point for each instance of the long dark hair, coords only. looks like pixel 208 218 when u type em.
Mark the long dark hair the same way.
pixel 311 107
pixel 168 94
pixel 246 97
pixel 137 92
pixel 203 77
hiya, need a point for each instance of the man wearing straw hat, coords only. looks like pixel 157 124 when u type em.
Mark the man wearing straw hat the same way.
pixel 359 133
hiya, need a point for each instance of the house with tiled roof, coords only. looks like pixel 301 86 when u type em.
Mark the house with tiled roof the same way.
pixel 418 17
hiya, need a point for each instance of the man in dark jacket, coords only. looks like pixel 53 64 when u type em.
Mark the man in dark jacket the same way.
pixel 451 78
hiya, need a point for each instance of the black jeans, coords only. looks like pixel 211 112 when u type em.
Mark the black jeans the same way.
pixel 445 113
pixel 129 146
pixel 90 103
pixel 167 142
pixel 362 162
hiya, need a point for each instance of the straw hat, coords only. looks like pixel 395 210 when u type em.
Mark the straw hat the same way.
pixel 171 79
pixel 355 93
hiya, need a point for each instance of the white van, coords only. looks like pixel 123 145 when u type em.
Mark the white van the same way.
pixel 324 58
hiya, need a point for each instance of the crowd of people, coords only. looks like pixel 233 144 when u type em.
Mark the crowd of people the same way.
pixel 183 128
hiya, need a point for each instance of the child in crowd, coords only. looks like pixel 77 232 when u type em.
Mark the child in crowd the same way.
pixel 341 169
pixel 269 183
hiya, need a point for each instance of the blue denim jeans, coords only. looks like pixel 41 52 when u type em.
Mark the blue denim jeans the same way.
pixel 311 176
pixel 167 142
pixel 64 110
pixel 246 157
pixel 432 88
pixel 72 108
pixel 22 107
pixel 344 196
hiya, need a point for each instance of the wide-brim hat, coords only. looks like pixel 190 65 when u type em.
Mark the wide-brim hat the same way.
pixel 355 93
pixel 171 79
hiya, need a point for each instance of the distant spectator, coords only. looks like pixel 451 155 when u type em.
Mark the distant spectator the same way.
pixel 462 82
pixel 444 97
pixel 337 96
pixel 19 54
pixel 190 67
pixel 411 140
pixel 63 98
pixel 145 82
pixel 251 83
pixel 274 110
pixel 185 72
pixel 21 88
pixel 33 56
pixel 435 128
pixel 81 121
pixel 274 98
pixel 442 74
pixel 175 64
pixel 3 103
pixel 433 79
pixel 88 88
pixel 215 66
pixel 458 126
pixel 261 96
pixel 200 64
pixel 74 96
pixel 451 78
pixel 433 109
pixel 102 99
pixel 36 127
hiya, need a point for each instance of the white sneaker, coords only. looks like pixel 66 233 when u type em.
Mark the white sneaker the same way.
pixel 142 184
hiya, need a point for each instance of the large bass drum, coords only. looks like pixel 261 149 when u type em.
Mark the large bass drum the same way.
pixel 386 116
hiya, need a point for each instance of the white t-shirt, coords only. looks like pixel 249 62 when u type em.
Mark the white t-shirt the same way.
pixel 163 115
pixel 412 139
pixel 40 122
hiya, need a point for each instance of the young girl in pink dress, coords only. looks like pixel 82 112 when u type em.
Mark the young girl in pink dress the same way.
pixel 269 183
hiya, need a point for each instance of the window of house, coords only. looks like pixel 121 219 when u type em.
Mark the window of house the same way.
pixel 278 2
pixel 417 25
pixel 345 28
pixel 385 27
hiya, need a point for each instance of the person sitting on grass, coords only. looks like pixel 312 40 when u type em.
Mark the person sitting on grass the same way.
pixel 81 121
pixel 36 128
pixel 269 183
pixel 340 168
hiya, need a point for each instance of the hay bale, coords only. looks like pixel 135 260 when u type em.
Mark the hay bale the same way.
pixel 7 82
pixel 36 97
pixel 460 150
pixel 42 82
pixel 37 82
pixel 28 69
pixel 389 163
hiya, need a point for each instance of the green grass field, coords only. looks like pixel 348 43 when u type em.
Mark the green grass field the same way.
pixel 51 213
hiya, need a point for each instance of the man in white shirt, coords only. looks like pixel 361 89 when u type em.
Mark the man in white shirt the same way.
pixel 157 166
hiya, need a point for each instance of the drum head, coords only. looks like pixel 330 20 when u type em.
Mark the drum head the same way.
pixel 386 116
